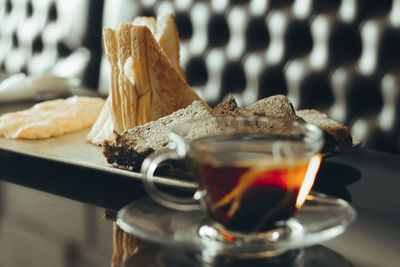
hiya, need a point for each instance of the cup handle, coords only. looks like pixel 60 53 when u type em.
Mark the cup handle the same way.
pixel 148 168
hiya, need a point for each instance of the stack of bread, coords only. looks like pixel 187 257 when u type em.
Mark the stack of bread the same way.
pixel 129 149
pixel 149 95
pixel 147 82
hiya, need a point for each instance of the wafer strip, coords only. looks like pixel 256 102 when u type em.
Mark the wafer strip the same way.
pixel 127 88
pixel 167 35
pixel 168 38
pixel 130 245
pixel 170 91
pixel 139 66
pixel 150 22
pixel 117 244
pixel 136 68
pixel 125 245
pixel 111 48
pixel 144 105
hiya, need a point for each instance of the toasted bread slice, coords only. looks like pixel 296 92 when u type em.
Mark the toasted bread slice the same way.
pixel 166 33
pixel 277 106
pixel 228 107
pixel 170 92
pixel 129 149
pixel 339 137
pixel 168 38
pixel 150 22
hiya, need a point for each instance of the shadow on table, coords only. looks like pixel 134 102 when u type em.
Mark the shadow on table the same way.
pixel 333 178
pixel 109 191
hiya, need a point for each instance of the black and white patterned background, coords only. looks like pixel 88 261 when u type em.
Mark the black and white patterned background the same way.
pixel 342 57
pixel 339 56
pixel 41 36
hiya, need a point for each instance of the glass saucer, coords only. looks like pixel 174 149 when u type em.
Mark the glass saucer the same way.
pixel 165 256
pixel 321 218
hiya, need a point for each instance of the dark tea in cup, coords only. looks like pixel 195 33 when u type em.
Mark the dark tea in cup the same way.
pixel 247 188
pixel 251 172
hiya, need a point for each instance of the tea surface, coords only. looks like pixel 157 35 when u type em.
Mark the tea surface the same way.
pixel 251 182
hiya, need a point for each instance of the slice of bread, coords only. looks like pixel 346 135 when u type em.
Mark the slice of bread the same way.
pixel 277 106
pixel 153 70
pixel 228 107
pixel 338 135
pixel 130 148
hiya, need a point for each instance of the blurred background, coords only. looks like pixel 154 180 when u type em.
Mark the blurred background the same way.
pixel 341 57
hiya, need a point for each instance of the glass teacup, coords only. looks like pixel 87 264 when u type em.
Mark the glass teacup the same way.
pixel 251 172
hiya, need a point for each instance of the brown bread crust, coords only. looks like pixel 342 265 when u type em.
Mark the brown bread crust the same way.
pixel 228 107
pixel 277 106
pixel 338 135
